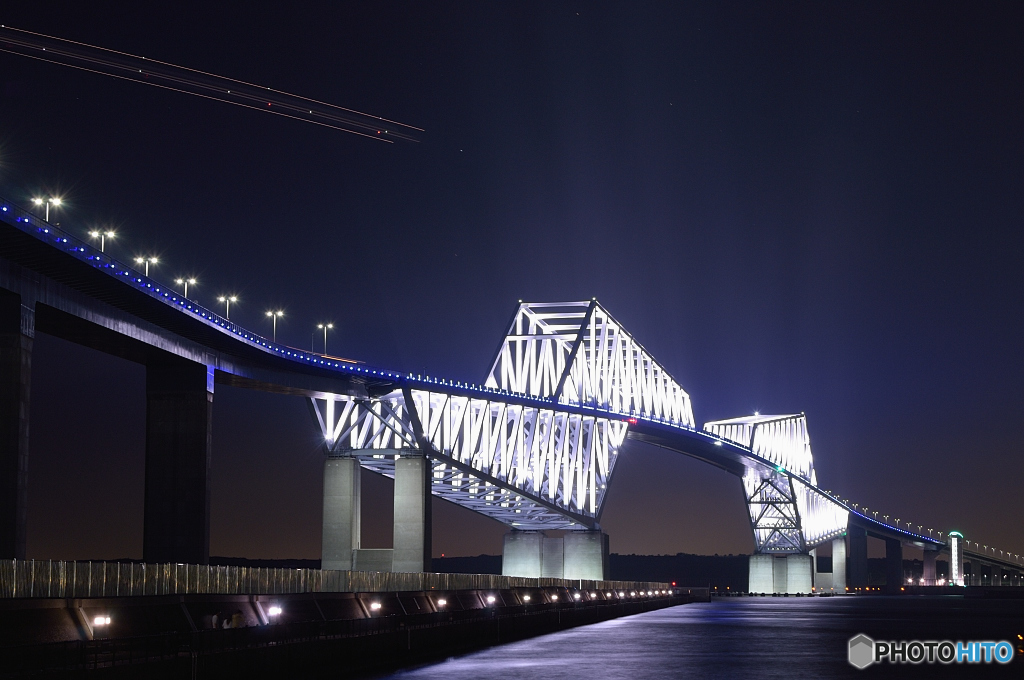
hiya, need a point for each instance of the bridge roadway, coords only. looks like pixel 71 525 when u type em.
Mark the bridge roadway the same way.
pixel 52 282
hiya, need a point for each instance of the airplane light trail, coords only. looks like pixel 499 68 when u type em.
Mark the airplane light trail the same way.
pixel 169 76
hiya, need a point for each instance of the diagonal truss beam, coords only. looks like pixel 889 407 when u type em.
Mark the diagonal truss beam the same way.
pixel 774 516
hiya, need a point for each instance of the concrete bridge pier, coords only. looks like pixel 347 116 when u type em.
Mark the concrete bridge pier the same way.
pixel 342 521
pixel 798 574
pixel 761 574
pixel 411 537
pixel 839 565
pixel 977 573
pixel 929 567
pixel 179 413
pixel 857 556
pixel 893 565
pixel 523 554
pixel 17 331
pixel 585 555
pixel 781 574
pixel 576 555
pixel 821 580
pixel 412 531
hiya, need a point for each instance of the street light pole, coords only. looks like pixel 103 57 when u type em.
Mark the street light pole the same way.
pixel 146 261
pixel 325 327
pixel 185 282
pixel 102 236
pixel 274 315
pixel 46 202
pixel 227 300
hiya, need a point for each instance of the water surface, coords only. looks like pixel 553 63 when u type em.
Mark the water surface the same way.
pixel 785 638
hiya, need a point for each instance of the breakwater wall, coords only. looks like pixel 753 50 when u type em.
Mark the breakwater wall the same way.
pixel 309 632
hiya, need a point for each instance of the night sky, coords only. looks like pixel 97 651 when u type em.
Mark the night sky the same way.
pixel 795 207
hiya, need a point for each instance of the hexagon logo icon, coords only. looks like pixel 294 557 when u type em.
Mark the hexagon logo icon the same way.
pixel 862 651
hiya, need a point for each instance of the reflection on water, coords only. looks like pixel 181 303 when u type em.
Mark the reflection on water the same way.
pixel 784 638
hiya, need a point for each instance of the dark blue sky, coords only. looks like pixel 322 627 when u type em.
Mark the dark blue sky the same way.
pixel 795 206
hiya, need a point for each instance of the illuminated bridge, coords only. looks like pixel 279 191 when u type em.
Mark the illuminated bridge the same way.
pixel 534 447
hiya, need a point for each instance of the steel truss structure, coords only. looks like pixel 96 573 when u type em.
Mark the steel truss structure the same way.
pixel 529 467
pixel 788 513
pixel 535 448
pixel 537 445
pixel 575 353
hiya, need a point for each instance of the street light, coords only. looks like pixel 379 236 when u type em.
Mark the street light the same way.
pixel 274 316
pixel 325 327
pixel 48 201
pixel 146 261
pixel 185 282
pixel 102 236
pixel 227 300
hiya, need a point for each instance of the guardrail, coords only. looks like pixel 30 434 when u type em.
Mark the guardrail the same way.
pixel 62 579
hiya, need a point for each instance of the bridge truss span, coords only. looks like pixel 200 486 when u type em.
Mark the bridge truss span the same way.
pixel 529 466
pixel 788 514
pixel 781 440
pixel 576 353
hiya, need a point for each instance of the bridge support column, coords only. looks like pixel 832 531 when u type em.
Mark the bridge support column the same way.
pixel 839 565
pixel 798 574
pixel 523 554
pixel 412 537
pixel 585 555
pixel 341 513
pixel 780 574
pixel 893 565
pixel 17 331
pixel 179 410
pixel 577 555
pixel 822 580
pixel 857 565
pixel 761 577
pixel 974 578
pixel 929 567
pixel 552 560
